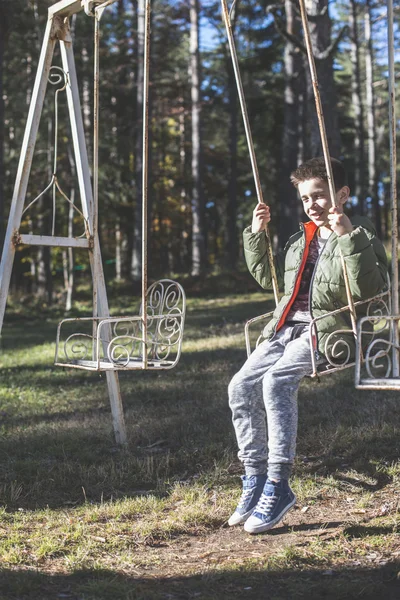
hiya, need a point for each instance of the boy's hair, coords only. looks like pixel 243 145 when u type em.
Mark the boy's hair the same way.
pixel 315 169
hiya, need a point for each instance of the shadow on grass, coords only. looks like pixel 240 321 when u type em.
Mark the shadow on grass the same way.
pixel 56 436
pixel 381 480
pixel 305 527
pixel 178 425
pixel 232 358
pixel 362 531
pixel 37 332
pixel 299 581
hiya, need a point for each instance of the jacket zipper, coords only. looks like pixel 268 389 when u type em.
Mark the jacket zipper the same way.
pixel 291 297
pixel 316 352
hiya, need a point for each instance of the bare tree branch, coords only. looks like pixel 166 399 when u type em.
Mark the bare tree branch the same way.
pixel 279 24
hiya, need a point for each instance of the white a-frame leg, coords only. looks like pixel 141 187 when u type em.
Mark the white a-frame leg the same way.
pixel 58 29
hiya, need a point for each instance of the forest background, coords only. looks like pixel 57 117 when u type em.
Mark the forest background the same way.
pixel 201 191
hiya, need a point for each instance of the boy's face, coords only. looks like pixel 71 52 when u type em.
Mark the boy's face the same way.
pixel 314 194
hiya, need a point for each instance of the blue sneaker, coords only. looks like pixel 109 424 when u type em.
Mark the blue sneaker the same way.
pixel 274 502
pixel 253 486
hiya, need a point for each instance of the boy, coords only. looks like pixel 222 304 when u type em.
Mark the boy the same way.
pixel 263 394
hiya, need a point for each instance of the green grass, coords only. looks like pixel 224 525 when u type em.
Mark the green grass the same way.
pixel 82 518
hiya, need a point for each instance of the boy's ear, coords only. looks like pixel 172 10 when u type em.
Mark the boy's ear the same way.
pixel 343 194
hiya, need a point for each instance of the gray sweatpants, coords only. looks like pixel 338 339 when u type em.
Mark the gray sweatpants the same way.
pixel 263 397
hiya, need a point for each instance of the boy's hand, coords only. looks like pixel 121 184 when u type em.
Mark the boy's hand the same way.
pixel 261 216
pixel 338 221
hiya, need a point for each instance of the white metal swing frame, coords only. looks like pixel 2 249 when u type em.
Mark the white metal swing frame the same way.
pixel 337 352
pixel 161 346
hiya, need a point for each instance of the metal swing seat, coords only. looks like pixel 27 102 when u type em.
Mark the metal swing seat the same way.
pixel 337 350
pixel 119 343
pixel 372 324
pixel 151 339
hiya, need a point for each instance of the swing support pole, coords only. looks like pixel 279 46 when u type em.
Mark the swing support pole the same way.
pixel 228 25
pixel 325 149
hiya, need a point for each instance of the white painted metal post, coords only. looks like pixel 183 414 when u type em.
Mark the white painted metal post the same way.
pixel 81 160
pixel 25 161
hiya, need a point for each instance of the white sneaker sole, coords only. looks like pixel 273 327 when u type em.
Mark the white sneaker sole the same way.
pixel 237 519
pixel 259 527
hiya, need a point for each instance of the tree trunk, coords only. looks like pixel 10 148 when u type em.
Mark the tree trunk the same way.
pixel 359 169
pixel 232 245
pixel 2 120
pixel 4 27
pixel 86 104
pixel 118 252
pixel 45 284
pixel 288 203
pixel 320 31
pixel 68 259
pixel 369 80
pixel 136 261
pixel 198 234
pixel 183 255
pixel 69 262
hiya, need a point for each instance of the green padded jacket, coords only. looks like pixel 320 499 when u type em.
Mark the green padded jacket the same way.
pixel 366 262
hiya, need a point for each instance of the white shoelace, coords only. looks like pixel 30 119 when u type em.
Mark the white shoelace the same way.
pixel 266 504
pixel 244 497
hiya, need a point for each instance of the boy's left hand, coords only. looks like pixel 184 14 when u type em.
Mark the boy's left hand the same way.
pixel 338 221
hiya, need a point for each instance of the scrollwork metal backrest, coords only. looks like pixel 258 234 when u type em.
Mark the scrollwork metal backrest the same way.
pixel 339 345
pixel 165 317
pixel 166 307
pixel 78 346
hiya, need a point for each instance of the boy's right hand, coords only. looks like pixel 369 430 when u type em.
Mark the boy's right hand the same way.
pixel 261 216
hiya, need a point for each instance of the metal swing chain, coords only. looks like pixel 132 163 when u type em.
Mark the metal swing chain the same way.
pixel 325 149
pixel 227 20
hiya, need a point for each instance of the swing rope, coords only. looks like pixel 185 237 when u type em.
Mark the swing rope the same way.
pixel 325 149
pixel 95 207
pixel 145 169
pixel 98 11
pixel 228 25
pixel 393 185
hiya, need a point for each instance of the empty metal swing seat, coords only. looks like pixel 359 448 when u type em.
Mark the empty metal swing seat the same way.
pixel 118 343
